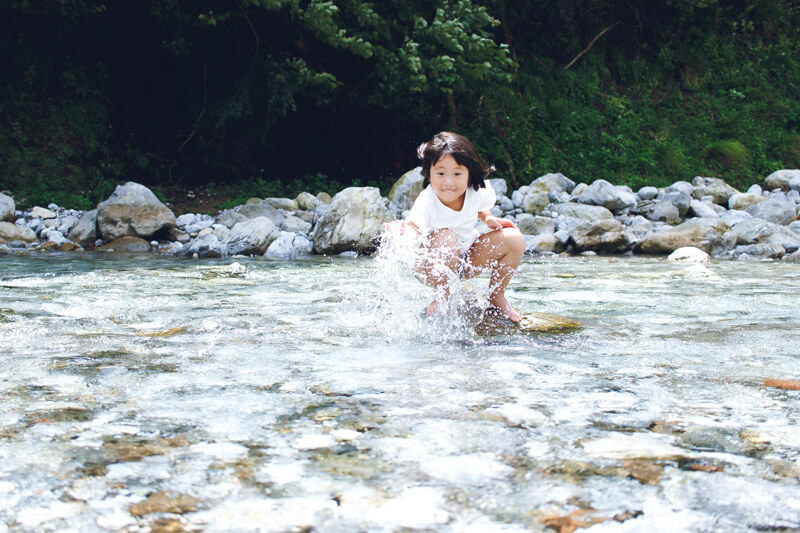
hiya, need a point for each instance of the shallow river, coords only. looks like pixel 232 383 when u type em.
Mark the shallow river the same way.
pixel 176 395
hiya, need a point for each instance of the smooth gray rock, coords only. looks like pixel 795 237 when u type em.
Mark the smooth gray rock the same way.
pixel 647 193
pixel 733 217
pixel 603 193
pixel 84 232
pixel 287 204
pixel 295 224
pixel 534 225
pixel 762 250
pixel 779 210
pixel 11 232
pixel 742 201
pixel 535 202
pixel 251 237
pixel 289 246
pixel 42 213
pixel 689 254
pixel 205 246
pixel 709 234
pixel 132 210
pixel 405 191
pixel 353 223
pixel 545 243
pixel 701 209
pixel 230 218
pixel 258 210
pixel 186 219
pixel 665 212
pixel 755 189
pixel 582 211
pixel 307 201
pixel 780 179
pixel 682 186
pixel 505 203
pixel 602 236
pixel 794 183
pixel 679 199
pixel 552 183
pixel 499 185
pixel 714 187
pixel 7 208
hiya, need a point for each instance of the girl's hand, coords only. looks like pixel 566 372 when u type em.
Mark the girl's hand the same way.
pixel 499 223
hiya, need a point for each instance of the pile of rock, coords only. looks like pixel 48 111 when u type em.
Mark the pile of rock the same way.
pixel 555 214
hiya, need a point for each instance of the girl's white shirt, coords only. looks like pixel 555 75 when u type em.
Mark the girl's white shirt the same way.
pixel 428 213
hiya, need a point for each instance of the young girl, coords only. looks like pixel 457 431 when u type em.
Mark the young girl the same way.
pixel 455 196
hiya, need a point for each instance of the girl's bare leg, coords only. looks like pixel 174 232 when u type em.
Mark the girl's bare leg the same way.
pixel 438 265
pixel 501 250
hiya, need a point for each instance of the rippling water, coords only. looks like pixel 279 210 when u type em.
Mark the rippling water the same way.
pixel 170 395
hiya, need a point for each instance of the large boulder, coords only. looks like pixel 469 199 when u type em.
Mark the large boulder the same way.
pixel 7 208
pixel 777 209
pixel 11 232
pixel 581 211
pixel 702 209
pixel 534 203
pixel 84 232
pixel 716 188
pixel 289 246
pixel 353 222
pixel 405 191
pixel 757 230
pixel 607 236
pixel 532 225
pixel 709 234
pixel 603 193
pixel 207 245
pixel 133 210
pixel 251 237
pixel 780 179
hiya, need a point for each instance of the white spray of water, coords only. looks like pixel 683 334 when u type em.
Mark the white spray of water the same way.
pixel 396 300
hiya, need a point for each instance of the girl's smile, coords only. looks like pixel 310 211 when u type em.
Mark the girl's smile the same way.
pixel 449 181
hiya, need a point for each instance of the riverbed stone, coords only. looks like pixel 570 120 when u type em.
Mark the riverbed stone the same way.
pixel 126 244
pixel 499 185
pixel 665 212
pixel 647 193
pixel 230 217
pixel 534 225
pixel 702 210
pixel 287 204
pixel 545 243
pixel 84 232
pixel 7 208
pixel 603 236
pixel 205 246
pixel 795 257
pixel 132 210
pixel 405 191
pixel 582 211
pixel 689 254
pixel 535 202
pixel 742 201
pixel 294 224
pixel 259 210
pixel 780 179
pixel 251 237
pixel 680 199
pixel 353 223
pixel 714 187
pixel 307 201
pixel 289 245
pixel 709 234
pixel 11 232
pixel 761 250
pixel 42 213
pixel 777 209
pixel 552 183
pixel 603 193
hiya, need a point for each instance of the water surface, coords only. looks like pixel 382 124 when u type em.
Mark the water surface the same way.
pixel 177 395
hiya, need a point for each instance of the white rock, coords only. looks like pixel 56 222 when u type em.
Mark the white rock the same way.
pixel 689 254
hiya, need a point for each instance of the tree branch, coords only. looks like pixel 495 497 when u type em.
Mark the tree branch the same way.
pixel 596 37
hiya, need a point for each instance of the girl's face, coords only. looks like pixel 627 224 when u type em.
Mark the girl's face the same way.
pixel 449 181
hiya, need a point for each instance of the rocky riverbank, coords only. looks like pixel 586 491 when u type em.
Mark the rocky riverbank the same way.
pixel 555 214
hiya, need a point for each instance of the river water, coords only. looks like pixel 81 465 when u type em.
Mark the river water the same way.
pixel 148 394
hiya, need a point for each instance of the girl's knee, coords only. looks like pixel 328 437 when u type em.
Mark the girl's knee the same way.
pixel 514 240
pixel 445 239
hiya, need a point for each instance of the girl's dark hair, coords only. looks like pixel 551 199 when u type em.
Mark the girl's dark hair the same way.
pixel 449 143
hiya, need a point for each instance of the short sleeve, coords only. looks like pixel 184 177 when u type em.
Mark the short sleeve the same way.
pixel 487 197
